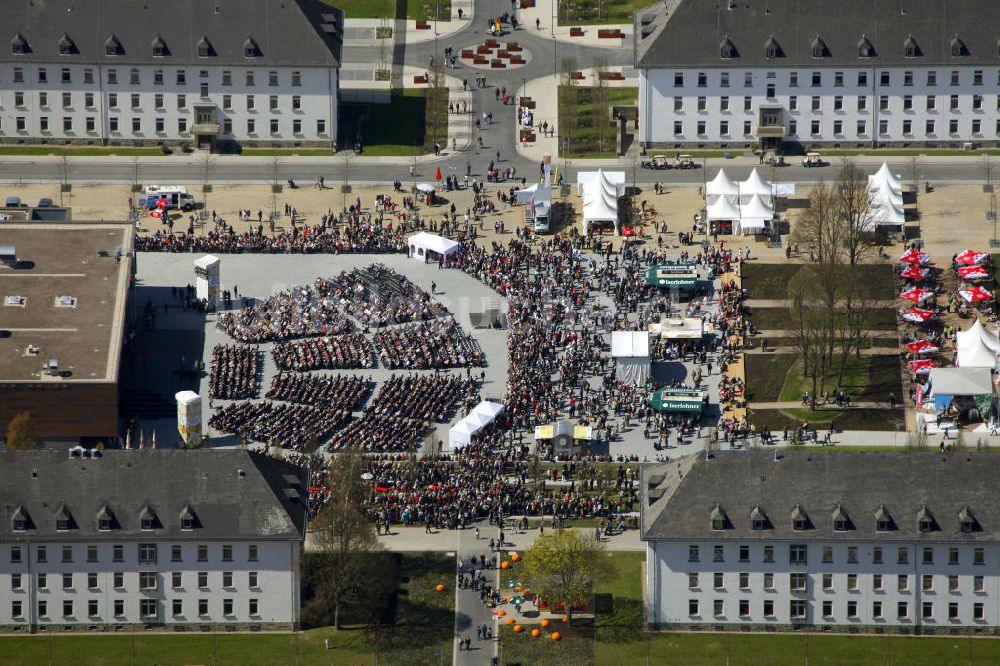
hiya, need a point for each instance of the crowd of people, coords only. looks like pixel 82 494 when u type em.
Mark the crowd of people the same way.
pixel 439 343
pixel 340 391
pixel 297 312
pixel 235 372
pixel 285 425
pixel 337 352
pixel 380 434
pixel 424 397
pixel 378 296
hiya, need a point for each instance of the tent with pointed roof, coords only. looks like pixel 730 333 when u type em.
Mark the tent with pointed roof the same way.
pixel 721 186
pixel 754 185
pixel 884 179
pixel 600 200
pixel 977 354
pixel 723 209
pixel 755 215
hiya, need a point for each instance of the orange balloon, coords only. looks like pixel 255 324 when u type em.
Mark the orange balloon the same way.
pixel 565 619
pixel 546 622
pixel 510 620
pixel 439 587
pixel 505 565
pixel 516 557
pixel 501 612
pixel 518 628
pixel 535 633
pixel 556 636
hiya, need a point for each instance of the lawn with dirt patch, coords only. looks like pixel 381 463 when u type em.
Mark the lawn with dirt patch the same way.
pixel 409 9
pixel 399 128
pixel 852 418
pixel 585 121
pixel 766 374
pixel 594 12
pixel 780 319
pixel 770 281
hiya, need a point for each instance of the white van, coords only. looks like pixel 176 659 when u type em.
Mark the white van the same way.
pixel 540 222
pixel 176 197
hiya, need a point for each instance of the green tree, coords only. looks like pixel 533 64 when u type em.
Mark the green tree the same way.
pixel 21 432
pixel 347 540
pixel 563 566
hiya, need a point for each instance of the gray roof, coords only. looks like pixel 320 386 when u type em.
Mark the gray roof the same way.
pixel 681 497
pixel 694 32
pixel 232 494
pixel 286 32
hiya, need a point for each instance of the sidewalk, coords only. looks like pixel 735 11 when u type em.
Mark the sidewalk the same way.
pixel 549 27
pixel 361 31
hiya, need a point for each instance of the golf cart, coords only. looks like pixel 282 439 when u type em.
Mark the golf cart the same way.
pixel 685 162
pixel 813 160
pixel 656 162
pixel 775 160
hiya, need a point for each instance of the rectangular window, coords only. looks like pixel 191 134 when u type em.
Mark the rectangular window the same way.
pixel 877 582
pixel 744 553
pixel 884 78
pixel 135 101
pixel 113 126
pixel 978 556
pixel 797 582
pixel 43 581
pixel 827 554
pixel 18 75
pixel 793 79
pixel 177 607
pixel 112 76
pixel 43 76
pixel 203 89
pixel 252 607
pixel 902 555
pixel 744 608
pixel 747 103
pixel 692 581
pixel 148 608
pixel 43 99
pixel 952 583
pixel 748 80
pixel 817 79
pixel 815 127
pixel 113 100
pixel 133 77
pixel 176 553
pixel 817 103
pixel 877 610
pixel 176 579
pixel 91 581
pixel 119 607
pixel 769 581
pixel 977 77
pixel 718 580
pixel 67 100
pixel 838 79
pixel 227 606
pixel 227 77
pixel 182 101
pixel 978 611
pixel 678 79
pixel 180 77
pixel 852 610
pixel 827 582
pixel 978 584
pixel 67 608
pixel 227 579
pixel 273 102
pixel 862 103
pixel 908 79
pixel 202 553
pixel 793 103
pixel 160 124
pixel 252 579
pixel 15 554
pixel 202 579
pixel 953 555
pixel 158 101
pixel 182 125
pixel 977 102
pixel 16 609
pixel 701 128
pixel 147 580
pixel 250 103
pixel 838 103
pixel 41 555
pixel 931 79
pixel 158 77
pixel 147 553
pixel 118 580
pixel 928 555
pixel 252 126
pixel 320 126
pixel 227 102
pixel 852 554
pixel 296 78
pixel 724 79
pixel 748 128
pixel 797 609
pixel 954 77
pixel 227 553
pixel 928 610
pixel 250 77
pixel 769 553
pixel 272 78
pixel 953 103
pixel 723 104
pixel 693 607
pixel 927 583
pixel 15 581
pixel 768 608
pixel 827 609
pixel 92 608
pixel 907 102
pixel 19 99
pixel 203 607
pixel 852 582
pixel 67 581
pixel 902 610
pixel 43 123
pixel 931 102
pixel 718 554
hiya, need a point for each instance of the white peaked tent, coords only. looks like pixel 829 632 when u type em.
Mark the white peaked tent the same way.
pixel 977 347
pixel 754 185
pixel 885 211
pixel 461 433
pixel 723 209
pixel 721 186
pixel 755 215
pixel 600 200
pixel 630 349
pixel 423 243
pixel 884 179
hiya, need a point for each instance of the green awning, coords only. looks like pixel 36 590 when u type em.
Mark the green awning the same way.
pixel 672 275
pixel 678 400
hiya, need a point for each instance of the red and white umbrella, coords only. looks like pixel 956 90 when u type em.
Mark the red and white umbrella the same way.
pixel 914 273
pixel 973 272
pixel 917 294
pixel 922 347
pixel 975 295
pixel 971 258
pixel 156 213
pixel 914 258
pixel 922 367
pixel 918 315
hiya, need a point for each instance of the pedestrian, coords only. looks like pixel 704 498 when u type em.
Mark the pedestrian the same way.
pixel 477 534
pixel 538 24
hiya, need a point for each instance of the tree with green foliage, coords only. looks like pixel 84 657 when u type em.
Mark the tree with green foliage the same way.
pixel 21 432
pixel 563 566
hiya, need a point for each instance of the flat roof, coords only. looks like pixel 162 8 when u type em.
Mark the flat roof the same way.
pixel 75 259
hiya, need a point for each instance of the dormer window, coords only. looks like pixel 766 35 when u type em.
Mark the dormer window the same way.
pixel 20 521
pixel 250 49
pixel 819 48
pixel 66 46
pixel 800 520
pixel 148 519
pixel 727 50
pixel 64 521
pixel 758 519
pixel 19 45
pixel 719 519
pixel 865 48
pixel 910 48
pixel 160 49
pixel 925 520
pixel 772 49
pixel 188 520
pixel 205 48
pixel 105 519
pixel 883 520
pixel 958 48
pixel 968 522
pixel 113 47
pixel 841 521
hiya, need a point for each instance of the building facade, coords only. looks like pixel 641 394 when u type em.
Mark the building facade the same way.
pixel 801 73
pixel 221 74
pixel 868 542
pixel 169 538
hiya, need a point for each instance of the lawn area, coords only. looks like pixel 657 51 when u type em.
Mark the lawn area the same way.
pixel 399 128
pixel 591 12
pixel 85 151
pixel 766 374
pixel 778 378
pixel 882 341
pixel 410 9
pixel 780 319
pixel 770 281
pixel 586 123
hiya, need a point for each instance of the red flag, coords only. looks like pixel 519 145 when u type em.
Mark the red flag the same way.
pixel 437 174
pixel 381 489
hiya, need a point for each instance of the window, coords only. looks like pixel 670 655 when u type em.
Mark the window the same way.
pixel 877 582
pixel 320 126
pixel 793 79
pixel 148 608
pixel 43 581
pixel 862 103
pixel 19 102
pixel 158 101
pixel 902 555
pixel 203 89
pixel 227 102
pixel 827 582
pixel 227 606
pixel 907 102
pixel 884 78
pixel 724 79
pixel 883 103
pixel 88 102
pixel 177 607
pixel 817 79
pixel 16 609
pixel 744 580
pixel 43 101
pixel 182 101
pixel 250 78
pixel 769 553
pixel 67 581
pixel 67 608
pixel 768 608
pixel 797 582
pixel 877 610
pixel 748 80
pixel 797 609
pixel 15 554
pixel 816 104
pixel 118 554
pixel 827 609
pixel 931 78
pixel 91 581
pixel 718 608
pixel 250 103
pixel 931 102
pixel 877 555
pixel 928 553
pixel 977 77
pixel 953 555
pixel 65 76
pixel 744 608
pixel 113 100
pixel 747 103
pixel 952 583
pixel 718 554
pixel 41 555
pixel 202 579
pixel 119 607
pixel 926 523
pixel 43 76
pixel 702 104
pixel 978 611
pixel 927 583
pixel 118 580
pixel 159 124
pixel 202 553
pixel 701 128
pixel 133 76
pixel 176 579
pixel 793 103
pixel 136 125
pixel 902 583
pixel 147 580
pixel 692 581
pixel 147 553
pixel 852 582
pixel 43 123
pixel 678 79
pixel 908 79
pixel 227 553
pixel 769 581
pixel 954 77
pixel 718 580
pixel 272 78
pixel 252 606
pixel 827 554
pixel 977 105
pixel 928 610
pixel 227 579
pixel 838 105
pixel 978 584
pixel 693 607
pixel 18 75
pixel 176 553
pixel 15 581
pixel 862 79
pixel 702 79
pixel 180 77
pixel 227 77
pixel 852 554
pixel 747 131
pixel 852 610
pixel 296 78
pixel 252 126
pixel 113 76
pixel 902 610
pixel 978 556
pixel 744 553
pixel 136 99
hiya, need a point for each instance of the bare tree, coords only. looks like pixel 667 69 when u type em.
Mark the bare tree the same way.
pixel 275 185
pixel 599 105
pixel 568 115
pixel 206 164
pixel 853 202
pixel 65 168
pixel 817 227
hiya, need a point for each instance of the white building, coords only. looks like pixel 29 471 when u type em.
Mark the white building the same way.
pixel 866 541
pixel 151 538
pixel 810 72
pixel 224 73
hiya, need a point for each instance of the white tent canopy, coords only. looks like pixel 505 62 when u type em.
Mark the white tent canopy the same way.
pixel 630 349
pixel 977 355
pixel 978 333
pixel 723 209
pixel 721 186
pixel 961 381
pixel 884 177
pixel 422 243
pixel 754 185
pixel 756 213
pixel 461 433
pixel 600 197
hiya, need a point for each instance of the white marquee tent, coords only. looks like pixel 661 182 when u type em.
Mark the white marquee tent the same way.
pixel 422 244
pixel 461 433
pixel 600 193
pixel 630 349
pixel 977 347
pixel 721 186
pixel 884 179
pixel 754 186
pixel 746 204
pixel 754 215
pixel 723 209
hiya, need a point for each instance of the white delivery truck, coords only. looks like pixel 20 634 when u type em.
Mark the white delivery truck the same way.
pixel 175 196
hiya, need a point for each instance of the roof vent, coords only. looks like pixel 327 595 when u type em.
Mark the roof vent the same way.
pixel 241 473
pixel 16 301
pixel 646 31
pixel 292 494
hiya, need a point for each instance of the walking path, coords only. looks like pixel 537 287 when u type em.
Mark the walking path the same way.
pixel 402 539
pixel 470 611
pixel 796 404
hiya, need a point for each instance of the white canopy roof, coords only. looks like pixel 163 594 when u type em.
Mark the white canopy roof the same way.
pixel 977 355
pixel 723 209
pixel 889 196
pixel 600 198
pixel 461 433
pixel 961 381
pixel 722 185
pixel 977 333
pixel 492 409
pixel 629 344
pixel 754 185
pixel 616 178
pixel 756 209
pixel 885 177
pixel 206 262
pixel 433 242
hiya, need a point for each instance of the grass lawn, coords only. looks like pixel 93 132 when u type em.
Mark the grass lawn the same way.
pixel 778 378
pixel 770 281
pixel 399 128
pixel 586 123
pixel 765 375
pixel 87 151
pixel 287 152
pixel 410 9
pixel 591 12
pixel 882 341
pixel 780 319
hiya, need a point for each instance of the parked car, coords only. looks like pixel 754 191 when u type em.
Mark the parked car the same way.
pixel 45 202
pixel 813 160
pixel 13 202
